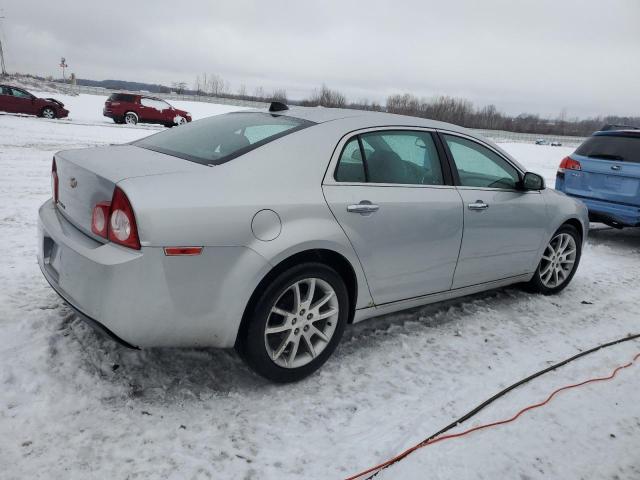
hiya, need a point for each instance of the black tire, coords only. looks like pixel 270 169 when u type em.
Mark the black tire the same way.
pixel 536 285
pixel 251 342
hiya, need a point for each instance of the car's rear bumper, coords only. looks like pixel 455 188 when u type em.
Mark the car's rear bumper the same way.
pixel 108 113
pixel 612 213
pixel 143 297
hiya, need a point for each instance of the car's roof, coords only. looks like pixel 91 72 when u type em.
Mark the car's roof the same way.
pixel 365 118
pixel 618 133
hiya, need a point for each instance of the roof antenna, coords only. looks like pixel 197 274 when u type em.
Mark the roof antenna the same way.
pixel 278 107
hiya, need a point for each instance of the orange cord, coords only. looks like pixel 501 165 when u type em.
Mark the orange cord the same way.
pixel 494 424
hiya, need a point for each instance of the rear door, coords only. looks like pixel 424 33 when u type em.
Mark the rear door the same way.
pixel 395 201
pixel 7 103
pixel 610 169
pixel 503 227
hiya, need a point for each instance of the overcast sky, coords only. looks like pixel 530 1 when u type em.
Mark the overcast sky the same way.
pixel 539 56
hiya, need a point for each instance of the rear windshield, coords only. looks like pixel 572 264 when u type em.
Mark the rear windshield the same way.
pixel 221 138
pixel 122 97
pixel 610 147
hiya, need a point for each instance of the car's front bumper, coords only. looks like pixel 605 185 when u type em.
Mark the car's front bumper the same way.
pixel 63 113
pixel 143 297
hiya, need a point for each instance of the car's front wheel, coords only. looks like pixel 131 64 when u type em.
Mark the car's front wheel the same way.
pixel 296 323
pixel 559 262
pixel 48 112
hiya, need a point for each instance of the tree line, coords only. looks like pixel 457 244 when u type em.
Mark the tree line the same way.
pixel 444 108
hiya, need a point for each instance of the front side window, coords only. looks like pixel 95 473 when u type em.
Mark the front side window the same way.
pixel 479 166
pixel 19 93
pixel 155 103
pixel 391 156
pixel 218 139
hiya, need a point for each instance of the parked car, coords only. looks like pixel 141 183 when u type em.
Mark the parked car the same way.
pixel 130 108
pixel 604 173
pixel 271 231
pixel 541 141
pixel 556 143
pixel 18 100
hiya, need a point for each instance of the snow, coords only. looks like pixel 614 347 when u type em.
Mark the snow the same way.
pixel 75 405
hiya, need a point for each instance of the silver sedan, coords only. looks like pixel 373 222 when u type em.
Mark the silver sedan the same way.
pixel 271 231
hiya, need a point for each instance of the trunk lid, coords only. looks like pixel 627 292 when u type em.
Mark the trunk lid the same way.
pixel 610 170
pixel 88 176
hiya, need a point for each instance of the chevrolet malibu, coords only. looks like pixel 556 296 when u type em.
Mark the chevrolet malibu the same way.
pixel 271 231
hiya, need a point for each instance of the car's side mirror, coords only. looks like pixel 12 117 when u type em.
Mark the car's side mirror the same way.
pixel 532 181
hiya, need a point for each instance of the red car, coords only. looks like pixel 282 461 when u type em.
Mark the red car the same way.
pixel 17 100
pixel 131 108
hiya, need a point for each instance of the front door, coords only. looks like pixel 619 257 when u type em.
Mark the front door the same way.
pixel 504 227
pixel 403 218
pixel 23 102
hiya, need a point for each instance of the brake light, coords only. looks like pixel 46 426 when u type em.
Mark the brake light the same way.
pixel 569 163
pixel 122 227
pixel 54 181
pixel 100 219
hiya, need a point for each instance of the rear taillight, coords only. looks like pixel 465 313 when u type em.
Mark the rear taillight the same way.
pixel 569 163
pixel 100 219
pixel 115 221
pixel 122 227
pixel 54 181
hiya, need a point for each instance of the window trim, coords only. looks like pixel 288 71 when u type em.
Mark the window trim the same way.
pixel 330 175
pixel 454 168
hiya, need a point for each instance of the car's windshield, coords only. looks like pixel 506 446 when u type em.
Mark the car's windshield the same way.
pixel 612 147
pixel 220 138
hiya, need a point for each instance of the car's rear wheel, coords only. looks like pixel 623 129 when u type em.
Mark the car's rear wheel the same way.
pixel 559 262
pixel 296 323
pixel 48 112
pixel 130 118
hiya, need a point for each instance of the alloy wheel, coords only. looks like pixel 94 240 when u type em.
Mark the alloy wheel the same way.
pixel 130 119
pixel 301 323
pixel 48 113
pixel 558 260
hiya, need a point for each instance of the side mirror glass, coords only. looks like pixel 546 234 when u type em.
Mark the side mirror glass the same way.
pixel 532 181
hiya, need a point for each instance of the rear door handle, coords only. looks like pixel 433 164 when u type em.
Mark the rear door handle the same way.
pixel 478 205
pixel 364 207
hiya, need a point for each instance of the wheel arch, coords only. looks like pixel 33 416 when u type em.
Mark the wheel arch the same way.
pixel 325 256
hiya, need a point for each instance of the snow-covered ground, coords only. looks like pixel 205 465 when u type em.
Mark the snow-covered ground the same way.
pixel 74 405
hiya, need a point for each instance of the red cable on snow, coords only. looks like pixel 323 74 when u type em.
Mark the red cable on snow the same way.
pixel 489 425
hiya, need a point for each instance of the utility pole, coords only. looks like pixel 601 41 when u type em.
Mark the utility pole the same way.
pixel 2 65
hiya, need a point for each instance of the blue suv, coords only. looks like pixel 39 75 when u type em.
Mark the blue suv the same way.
pixel 604 173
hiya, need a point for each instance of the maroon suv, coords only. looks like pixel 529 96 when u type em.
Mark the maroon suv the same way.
pixel 17 100
pixel 131 108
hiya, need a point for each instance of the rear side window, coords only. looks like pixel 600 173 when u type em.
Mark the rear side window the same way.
pixel 122 97
pixel 221 138
pixel 611 147
pixel 390 156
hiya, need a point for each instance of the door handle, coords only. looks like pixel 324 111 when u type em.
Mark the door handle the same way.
pixel 478 205
pixel 364 207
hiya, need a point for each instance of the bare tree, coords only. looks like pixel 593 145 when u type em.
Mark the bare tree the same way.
pixel 327 98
